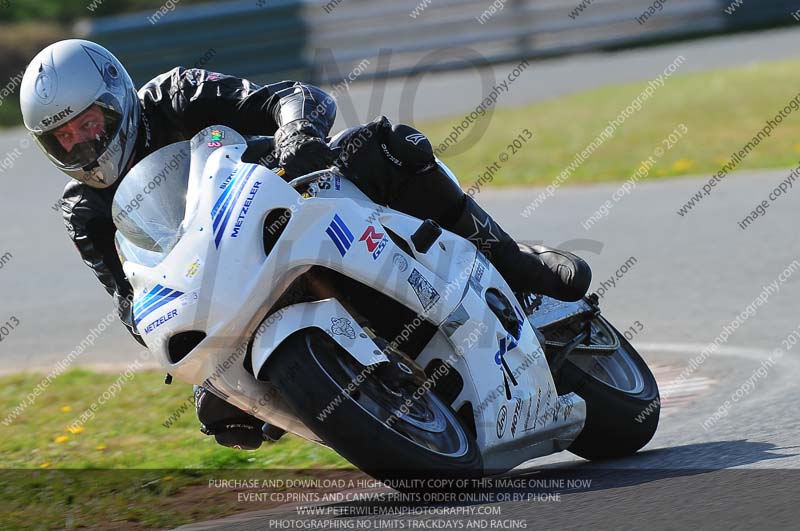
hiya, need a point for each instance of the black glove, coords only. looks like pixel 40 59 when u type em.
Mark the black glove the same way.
pixel 299 150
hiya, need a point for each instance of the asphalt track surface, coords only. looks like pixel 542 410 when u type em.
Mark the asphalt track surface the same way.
pixel 693 275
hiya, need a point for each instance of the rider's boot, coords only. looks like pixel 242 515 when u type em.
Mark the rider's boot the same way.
pixel 229 425
pixel 537 268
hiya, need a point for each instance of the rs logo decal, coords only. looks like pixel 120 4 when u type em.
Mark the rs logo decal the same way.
pixel 376 241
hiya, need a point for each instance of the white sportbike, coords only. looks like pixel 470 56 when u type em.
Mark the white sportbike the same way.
pixel 377 334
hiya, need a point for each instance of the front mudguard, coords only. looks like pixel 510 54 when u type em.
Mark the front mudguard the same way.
pixel 328 315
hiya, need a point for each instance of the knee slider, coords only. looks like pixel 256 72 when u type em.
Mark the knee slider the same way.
pixel 408 148
pixel 214 412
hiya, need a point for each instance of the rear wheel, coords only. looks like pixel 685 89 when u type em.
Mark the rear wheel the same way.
pixel 622 400
pixel 382 428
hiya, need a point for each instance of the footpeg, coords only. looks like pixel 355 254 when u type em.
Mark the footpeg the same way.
pixel 425 236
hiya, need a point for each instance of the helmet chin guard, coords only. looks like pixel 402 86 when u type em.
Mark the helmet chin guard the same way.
pixel 82 108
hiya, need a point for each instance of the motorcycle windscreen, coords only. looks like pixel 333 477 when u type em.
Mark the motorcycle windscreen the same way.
pixel 150 203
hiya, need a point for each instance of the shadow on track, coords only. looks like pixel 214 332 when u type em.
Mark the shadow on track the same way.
pixel 679 463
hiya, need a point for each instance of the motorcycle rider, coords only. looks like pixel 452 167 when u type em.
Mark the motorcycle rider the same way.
pixel 84 111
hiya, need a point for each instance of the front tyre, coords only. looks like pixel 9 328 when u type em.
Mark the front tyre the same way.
pixel 365 423
pixel 622 401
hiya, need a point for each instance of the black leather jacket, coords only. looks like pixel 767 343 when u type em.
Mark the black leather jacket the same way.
pixel 176 106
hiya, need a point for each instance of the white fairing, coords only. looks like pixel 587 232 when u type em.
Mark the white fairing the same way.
pixel 216 278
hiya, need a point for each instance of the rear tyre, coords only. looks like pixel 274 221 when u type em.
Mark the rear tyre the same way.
pixel 622 401
pixel 364 423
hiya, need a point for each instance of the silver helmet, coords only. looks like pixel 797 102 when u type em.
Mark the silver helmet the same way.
pixel 81 106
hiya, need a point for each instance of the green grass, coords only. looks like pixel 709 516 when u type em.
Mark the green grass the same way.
pixel 722 110
pixel 10 114
pixel 49 474
pixel 121 427
pixel 147 499
pixel 19 43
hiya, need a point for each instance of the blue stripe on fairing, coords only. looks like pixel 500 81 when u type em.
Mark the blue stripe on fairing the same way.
pixel 157 292
pixel 153 291
pixel 338 230
pixel 229 209
pixel 226 193
pixel 338 220
pixel 170 298
pixel 335 239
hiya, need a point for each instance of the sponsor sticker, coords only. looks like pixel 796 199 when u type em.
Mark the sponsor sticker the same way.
pixel 479 270
pixel 477 274
pixel 501 422
pixel 237 227
pixel 400 261
pixel 326 183
pixel 515 417
pixel 425 291
pixel 567 409
pixel 342 326
pixel 216 138
pixel 189 298
pixel 375 241
pixel 160 321
pixel 193 269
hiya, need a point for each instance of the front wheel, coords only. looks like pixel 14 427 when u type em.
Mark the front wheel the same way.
pixel 622 401
pixel 384 430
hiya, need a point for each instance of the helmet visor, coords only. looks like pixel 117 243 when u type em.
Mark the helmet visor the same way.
pixel 80 142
